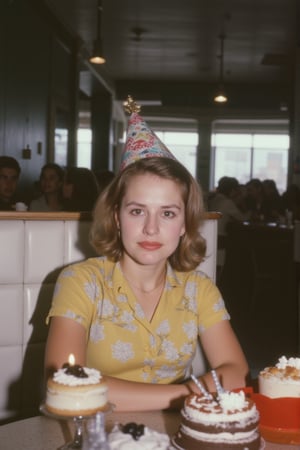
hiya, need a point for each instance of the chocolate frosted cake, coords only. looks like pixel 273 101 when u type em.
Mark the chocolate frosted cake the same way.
pixel 224 421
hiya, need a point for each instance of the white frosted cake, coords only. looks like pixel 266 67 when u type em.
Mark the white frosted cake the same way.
pixel 137 437
pixel 76 391
pixel 281 380
pixel 225 421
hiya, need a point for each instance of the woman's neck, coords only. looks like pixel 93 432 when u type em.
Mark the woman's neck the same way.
pixel 144 279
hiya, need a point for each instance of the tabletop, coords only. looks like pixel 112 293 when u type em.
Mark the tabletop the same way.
pixel 48 434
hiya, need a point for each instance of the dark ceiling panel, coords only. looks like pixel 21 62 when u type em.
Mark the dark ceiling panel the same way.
pixel 171 41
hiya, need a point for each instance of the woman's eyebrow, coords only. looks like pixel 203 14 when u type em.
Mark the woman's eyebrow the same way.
pixel 142 205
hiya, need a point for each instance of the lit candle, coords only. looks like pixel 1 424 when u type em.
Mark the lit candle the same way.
pixel 71 359
pixel 201 387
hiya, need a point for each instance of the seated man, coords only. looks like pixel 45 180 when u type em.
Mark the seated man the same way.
pixel 9 176
pixel 224 201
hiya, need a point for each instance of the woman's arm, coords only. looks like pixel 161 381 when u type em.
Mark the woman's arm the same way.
pixel 67 336
pixel 134 396
pixel 225 355
pixel 220 345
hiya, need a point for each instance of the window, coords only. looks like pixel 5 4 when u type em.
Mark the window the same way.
pixel 183 145
pixel 84 147
pixel 246 156
pixel 61 146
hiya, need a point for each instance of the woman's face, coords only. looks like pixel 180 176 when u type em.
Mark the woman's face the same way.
pixel 50 181
pixel 151 219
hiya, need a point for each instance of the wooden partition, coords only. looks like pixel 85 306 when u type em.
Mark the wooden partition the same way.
pixel 34 248
pixel 260 286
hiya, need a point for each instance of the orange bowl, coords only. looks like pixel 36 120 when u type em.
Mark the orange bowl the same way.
pixel 279 417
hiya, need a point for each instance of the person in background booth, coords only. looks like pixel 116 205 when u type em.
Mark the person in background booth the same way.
pixel 291 200
pixel 80 189
pixel 104 177
pixel 254 200
pixel 9 176
pixel 136 312
pixel 50 184
pixel 272 205
pixel 224 200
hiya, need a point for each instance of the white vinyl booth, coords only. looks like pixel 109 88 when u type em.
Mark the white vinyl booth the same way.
pixel 34 248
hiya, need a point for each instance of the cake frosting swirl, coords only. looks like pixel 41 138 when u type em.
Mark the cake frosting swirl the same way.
pixel 62 376
pixel 149 439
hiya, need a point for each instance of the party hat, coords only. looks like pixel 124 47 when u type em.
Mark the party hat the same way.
pixel 141 141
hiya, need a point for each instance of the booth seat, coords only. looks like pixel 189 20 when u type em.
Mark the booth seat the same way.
pixel 34 249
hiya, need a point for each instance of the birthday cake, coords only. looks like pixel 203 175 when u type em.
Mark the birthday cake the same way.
pixel 76 391
pixel 223 421
pixel 133 436
pixel 281 380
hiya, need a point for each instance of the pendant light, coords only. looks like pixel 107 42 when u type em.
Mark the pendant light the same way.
pixel 221 96
pixel 98 56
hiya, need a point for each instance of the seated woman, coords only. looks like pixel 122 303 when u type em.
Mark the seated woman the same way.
pixel 136 312
pixel 50 184
pixel 80 189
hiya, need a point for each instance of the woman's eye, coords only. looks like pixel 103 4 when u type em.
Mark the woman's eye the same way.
pixel 169 214
pixel 136 212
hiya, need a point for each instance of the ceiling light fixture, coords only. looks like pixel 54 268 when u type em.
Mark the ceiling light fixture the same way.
pixel 221 97
pixel 97 56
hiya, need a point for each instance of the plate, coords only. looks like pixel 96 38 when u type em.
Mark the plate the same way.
pixel 280 435
pixel 107 409
pixel 176 446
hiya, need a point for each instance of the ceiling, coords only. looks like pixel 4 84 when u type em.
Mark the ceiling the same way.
pixel 169 50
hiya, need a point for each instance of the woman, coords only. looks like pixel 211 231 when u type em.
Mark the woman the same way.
pixel 80 189
pixel 136 312
pixel 51 181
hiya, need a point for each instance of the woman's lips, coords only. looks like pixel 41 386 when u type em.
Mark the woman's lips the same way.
pixel 150 245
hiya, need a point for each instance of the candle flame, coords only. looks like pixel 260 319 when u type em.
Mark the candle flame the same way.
pixel 71 359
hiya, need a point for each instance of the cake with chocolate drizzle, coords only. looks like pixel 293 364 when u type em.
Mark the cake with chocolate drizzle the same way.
pixel 218 421
pixel 76 391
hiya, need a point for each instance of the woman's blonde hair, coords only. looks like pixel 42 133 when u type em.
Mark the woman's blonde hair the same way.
pixel 104 235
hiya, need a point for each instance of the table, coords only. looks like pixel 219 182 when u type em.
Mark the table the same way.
pixel 48 434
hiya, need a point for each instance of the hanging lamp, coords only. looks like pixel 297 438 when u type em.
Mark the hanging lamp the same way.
pixel 221 96
pixel 98 56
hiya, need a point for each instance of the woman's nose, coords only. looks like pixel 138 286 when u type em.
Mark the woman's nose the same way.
pixel 151 225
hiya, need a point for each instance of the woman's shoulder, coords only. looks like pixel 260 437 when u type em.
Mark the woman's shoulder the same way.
pixel 196 275
pixel 93 265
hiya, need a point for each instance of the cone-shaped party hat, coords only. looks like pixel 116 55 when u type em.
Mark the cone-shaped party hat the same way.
pixel 141 141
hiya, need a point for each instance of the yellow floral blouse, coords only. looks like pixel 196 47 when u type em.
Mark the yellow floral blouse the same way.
pixel 121 342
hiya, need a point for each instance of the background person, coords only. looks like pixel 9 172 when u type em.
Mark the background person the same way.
pixel 50 184
pixel 104 177
pixel 80 189
pixel 9 176
pixel 136 312
pixel 224 200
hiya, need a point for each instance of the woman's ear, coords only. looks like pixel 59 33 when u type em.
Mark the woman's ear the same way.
pixel 117 218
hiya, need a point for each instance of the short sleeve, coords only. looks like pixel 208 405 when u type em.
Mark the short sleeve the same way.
pixel 211 306
pixel 75 295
